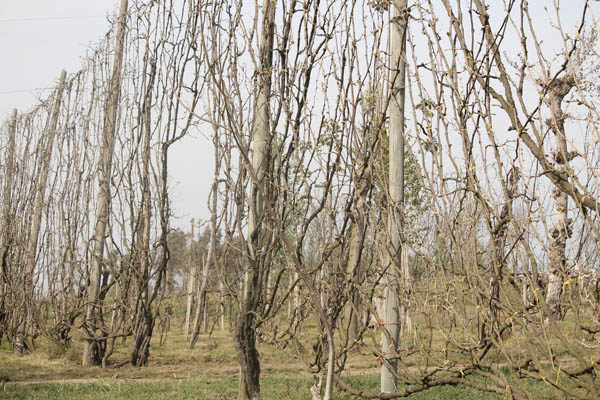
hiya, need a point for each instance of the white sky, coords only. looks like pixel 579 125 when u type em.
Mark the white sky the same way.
pixel 39 38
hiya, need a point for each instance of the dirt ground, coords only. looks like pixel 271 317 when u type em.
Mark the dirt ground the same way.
pixel 213 357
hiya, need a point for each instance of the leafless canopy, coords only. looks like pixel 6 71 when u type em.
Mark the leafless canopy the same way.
pixel 418 179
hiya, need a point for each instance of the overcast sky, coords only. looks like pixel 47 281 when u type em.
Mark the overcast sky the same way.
pixel 39 38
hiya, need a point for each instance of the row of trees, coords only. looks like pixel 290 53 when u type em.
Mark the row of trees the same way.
pixel 85 202
pixel 418 177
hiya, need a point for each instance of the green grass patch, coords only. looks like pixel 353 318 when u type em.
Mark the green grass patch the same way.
pixel 272 388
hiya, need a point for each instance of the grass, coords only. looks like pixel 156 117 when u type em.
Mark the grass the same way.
pixel 207 372
pixel 273 388
pixel 112 389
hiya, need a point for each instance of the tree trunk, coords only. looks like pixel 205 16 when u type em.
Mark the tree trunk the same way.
pixel 406 322
pixel 362 179
pixel 201 302
pixel 352 312
pixel 30 258
pixel 391 320
pixel 140 347
pixel 7 227
pixel 222 305
pixel 205 314
pixel 245 342
pixel 201 307
pixel 92 354
pixel 245 331
pixel 190 285
pixel 211 257
pixel 499 265
pixel 144 321
pixel 557 90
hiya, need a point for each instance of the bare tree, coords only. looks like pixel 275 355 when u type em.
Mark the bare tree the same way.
pixel 190 282
pixel 93 352
pixel 7 234
pixel 32 249
pixel 557 90
pixel 396 194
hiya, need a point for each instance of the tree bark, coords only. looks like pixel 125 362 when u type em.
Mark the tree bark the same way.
pixel 144 319
pixel 499 241
pixel 7 228
pixel 562 224
pixel 190 285
pixel 245 330
pixel 357 237
pixel 30 258
pixel 92 350
pixel 391 319
pixel 202 306
pixel 222 305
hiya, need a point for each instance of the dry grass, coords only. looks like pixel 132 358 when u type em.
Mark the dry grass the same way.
pixel 213 357
pixel 212 365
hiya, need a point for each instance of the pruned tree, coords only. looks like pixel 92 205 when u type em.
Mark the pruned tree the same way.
pixel 93 351
pixel 393 274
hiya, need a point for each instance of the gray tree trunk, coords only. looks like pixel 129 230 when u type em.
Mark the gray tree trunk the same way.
pixel 30 257
pixel 245 330
pixel 210 259
pixel 222 305
pixel 190 286
pixel 357 235
pixel 7 228
pixel 557 90
pixel 144 319
pixel 92 352
pixel 391 327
